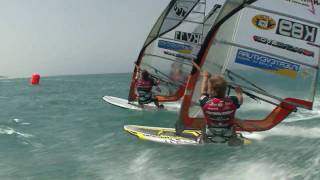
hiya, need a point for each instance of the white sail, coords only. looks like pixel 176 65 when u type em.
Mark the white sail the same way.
pixel 174 41
pixel 268 47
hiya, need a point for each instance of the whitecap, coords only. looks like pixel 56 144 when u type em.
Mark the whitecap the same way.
pixel 16 120
pixel 10 131
pixel 20 121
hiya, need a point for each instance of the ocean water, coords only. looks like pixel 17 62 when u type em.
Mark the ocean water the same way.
pixel 62 129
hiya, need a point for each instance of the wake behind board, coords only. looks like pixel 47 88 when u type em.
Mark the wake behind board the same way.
pixel 168 136
pixel 123 103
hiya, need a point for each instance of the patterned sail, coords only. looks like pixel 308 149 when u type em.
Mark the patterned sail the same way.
pixel 173 42
pixel 271 49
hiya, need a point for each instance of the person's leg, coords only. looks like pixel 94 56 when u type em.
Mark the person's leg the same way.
pixel 234 139
pixel 217 135
pixel 179 127
pixel 140 104
pixel 144 98
pixel 204 136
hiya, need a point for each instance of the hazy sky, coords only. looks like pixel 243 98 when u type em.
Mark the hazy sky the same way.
pixel 54 37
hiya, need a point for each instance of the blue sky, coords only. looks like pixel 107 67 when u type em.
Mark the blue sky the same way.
pixel 57 37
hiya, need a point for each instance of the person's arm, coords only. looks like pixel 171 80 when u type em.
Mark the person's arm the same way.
pixel 239 95
pixel 156 82
pixel 204 84
pixel 137 73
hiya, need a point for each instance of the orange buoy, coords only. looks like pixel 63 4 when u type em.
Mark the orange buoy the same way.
pixel 35 79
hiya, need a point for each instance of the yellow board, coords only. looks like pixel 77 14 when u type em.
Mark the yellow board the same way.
pixel 168 136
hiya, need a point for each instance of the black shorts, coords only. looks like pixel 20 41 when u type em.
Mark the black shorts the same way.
pixel 146 98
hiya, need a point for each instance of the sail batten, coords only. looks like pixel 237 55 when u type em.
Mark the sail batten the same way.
pixel 189 21
pixel 174 60
pixel 163 74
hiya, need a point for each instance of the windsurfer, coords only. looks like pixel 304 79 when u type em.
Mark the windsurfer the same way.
pixel 178 76
pixel 219 110
pixel 144 88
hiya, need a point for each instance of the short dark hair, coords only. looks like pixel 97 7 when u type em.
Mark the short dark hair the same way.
pixel 145 74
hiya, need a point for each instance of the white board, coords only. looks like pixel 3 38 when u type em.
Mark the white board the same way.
pixel 123 103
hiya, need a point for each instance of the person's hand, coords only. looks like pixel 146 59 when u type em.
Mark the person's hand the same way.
pixel 238 90
pixel 136 65
pixel 158 89
pixel 138 68
pixel 205 74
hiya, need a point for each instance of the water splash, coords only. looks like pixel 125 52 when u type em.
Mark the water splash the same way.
pixel 145 167
pixel 11 131
pixel 262 170
pixel 285 130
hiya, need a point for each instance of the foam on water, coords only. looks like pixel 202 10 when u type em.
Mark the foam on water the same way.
pixel 294 131
pixel 260 169
pixel 140 167
pixel 304 114
pixel 286 131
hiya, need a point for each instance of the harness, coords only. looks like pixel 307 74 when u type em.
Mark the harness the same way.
pixel 144 88
pixel 219 115
pixel 219 112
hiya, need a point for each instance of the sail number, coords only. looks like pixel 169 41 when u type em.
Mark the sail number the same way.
pixel 188 37
pixel 296 30
pixel 179 10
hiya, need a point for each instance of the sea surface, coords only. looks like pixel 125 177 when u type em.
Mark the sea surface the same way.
pixel 63 130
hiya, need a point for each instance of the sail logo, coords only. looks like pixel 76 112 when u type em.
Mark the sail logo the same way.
pixel 181 48
pixel 263 22
pixel 180 11
pixel 297 30
pixel 267 63
pixel 194 38
pixel 284 46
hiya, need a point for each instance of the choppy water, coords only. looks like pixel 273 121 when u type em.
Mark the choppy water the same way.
pixel 62 129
